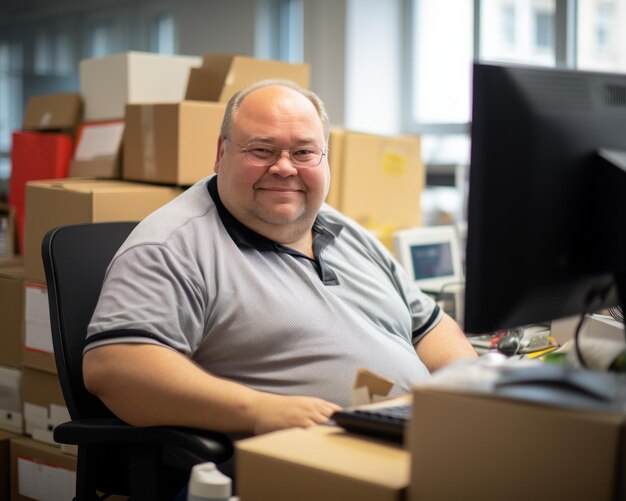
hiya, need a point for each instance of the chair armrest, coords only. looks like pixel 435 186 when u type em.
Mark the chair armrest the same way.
pixel 214 446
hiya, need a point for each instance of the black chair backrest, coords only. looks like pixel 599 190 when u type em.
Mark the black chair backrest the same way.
pixel 75 260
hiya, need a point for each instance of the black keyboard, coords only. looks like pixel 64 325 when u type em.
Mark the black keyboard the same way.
pixel 387 423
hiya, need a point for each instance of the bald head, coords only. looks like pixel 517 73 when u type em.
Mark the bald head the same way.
pixel 260 91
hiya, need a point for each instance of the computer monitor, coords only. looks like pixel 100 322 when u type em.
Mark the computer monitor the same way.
pixel 430 255
pixel 547 195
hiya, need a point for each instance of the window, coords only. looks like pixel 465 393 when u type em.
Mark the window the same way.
pixel 544 30
pixel 164 34
pixel 10 102
pixel 508 25
pixel 600 43
pixel 64 55
pixel 100 42
pixel 442 49
pixel 603 26
pixel 53 53
pixel 279 30
pixel 442 52
pixel 291 43
pixel 519 31
pixel 43 61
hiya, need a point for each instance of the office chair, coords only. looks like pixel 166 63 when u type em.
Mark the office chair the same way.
pixel 113 457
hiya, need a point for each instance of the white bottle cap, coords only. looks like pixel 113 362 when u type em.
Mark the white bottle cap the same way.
pixel 207 482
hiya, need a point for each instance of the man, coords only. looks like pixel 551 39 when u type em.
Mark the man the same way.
pixel 245 305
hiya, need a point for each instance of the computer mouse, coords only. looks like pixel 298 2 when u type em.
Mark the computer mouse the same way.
pixel 508 345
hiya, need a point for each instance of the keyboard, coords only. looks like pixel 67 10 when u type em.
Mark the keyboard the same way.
pixel 387 423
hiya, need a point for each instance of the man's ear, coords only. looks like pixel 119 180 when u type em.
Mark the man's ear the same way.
pixel 219 154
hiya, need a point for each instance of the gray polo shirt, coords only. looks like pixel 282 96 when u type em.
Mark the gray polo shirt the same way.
pixel 192 278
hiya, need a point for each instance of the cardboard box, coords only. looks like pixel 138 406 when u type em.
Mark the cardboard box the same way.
pixel 37 348
pixel 35 156
pixel 40 471
pixel 60 112
pixel 71 201
pixel 222 75
pixel 335 160
pixel 320 463
pixel 98 150
pixel 11 418
pixel 5 462
pixel 44 405
pixel 11 315
pixel 108 83
pixel 377 180
pixel 8 235
pixel 490 448
pixel 171 143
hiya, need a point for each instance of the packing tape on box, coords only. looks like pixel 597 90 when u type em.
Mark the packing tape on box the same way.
pixel 148 141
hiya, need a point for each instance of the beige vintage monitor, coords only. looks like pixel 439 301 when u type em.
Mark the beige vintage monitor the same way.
pixel 431 256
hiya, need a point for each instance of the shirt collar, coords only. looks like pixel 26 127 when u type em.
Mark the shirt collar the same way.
pixel 324 232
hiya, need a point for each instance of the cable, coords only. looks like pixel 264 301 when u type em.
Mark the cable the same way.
pixel 617 313
pixel 579 354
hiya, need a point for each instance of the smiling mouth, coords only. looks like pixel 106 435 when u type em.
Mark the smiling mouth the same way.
pixel 281 190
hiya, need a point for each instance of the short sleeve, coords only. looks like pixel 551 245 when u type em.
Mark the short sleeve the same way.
pixel 150 295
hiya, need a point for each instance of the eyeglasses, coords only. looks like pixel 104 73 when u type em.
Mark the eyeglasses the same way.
pixel 265 155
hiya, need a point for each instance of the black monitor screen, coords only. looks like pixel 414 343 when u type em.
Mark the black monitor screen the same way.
pixel 546 232
pixel 431 261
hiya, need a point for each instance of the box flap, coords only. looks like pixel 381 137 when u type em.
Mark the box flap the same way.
pixel 247 70
pixel 222 75
pixel 53 112
pixel 98 140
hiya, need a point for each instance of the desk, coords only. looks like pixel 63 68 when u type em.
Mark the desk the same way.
pixel 465 446
pixel 322 463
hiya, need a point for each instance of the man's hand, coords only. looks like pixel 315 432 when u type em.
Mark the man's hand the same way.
pixel 275 412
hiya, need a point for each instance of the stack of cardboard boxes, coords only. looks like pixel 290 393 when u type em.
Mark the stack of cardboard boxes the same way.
pixel 148 131
pixel 93 183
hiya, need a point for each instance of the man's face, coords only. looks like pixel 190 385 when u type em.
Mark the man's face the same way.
pixel 280 199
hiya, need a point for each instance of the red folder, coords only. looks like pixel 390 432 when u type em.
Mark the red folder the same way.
pixel 35 156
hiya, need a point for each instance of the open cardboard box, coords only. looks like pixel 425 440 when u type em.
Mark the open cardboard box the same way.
pixel 176 143
pixel 109 83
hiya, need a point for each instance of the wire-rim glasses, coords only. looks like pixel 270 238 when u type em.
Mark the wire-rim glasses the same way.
pixel 265 155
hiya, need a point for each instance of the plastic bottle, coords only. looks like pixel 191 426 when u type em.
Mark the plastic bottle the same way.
pixel 207 483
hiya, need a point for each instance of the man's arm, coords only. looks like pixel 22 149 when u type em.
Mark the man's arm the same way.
pixel 445 343
pixel 146 385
